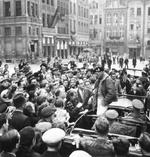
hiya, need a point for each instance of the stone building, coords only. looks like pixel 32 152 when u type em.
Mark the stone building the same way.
pixel 20 29
pixel 96 25
pixel 115 31
pixel 79 26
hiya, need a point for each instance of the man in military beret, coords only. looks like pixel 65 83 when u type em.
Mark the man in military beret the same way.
pixel 99 146
pixel 53 139
pixel 104 91
pixel 137 114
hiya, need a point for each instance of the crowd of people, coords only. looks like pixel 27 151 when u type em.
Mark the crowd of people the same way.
pixel 37 109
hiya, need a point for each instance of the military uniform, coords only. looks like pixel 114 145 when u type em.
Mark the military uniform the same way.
pixel 98 146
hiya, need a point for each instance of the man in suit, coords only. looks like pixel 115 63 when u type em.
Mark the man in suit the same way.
pixel 53 139
pixel 19 119
pixel 9 143
pixel 84 94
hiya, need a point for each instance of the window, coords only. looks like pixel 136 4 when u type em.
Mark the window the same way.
pixel 100 20
pixel 18 8
pixel 43 19
pixel 47 1
pixel 132 27
pixel 95 19
pixel 18 31
pixel 36 10
pixel 29 30
pixel 148 42
pixel 37 31
pixel 32 9
pixel 131 11
pixel 148 11
pixel 148 30
pixel 7 31
pixel 7 9
pixel 52 2
pixel 43 1
pixel 138 11
pixel 28 8
pixel 48 21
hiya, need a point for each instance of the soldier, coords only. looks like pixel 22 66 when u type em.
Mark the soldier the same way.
pixel 134 62
pixel 53 139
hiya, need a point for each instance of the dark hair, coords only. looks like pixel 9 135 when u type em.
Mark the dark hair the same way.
pixel 9 140
pixel 57 93
pixel 102 125
pixel 19 100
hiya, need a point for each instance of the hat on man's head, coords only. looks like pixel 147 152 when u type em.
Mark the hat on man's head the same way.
pixel 53 136
pixel 47 111
pixel 98 69
pixel 137 104
pixel 79 153
pixel 43 126
pixel 111 114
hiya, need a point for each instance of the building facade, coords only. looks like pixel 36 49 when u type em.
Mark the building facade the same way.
pixel 20 29
pixel 135 27
pixel 96 25
pixel 48 10
pixel 115 32
pixel 62 29
pixel 79 26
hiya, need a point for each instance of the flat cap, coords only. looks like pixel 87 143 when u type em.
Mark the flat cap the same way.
pixel 79 153
pixel 111 114
pixel 43 126
pixel 47 111
pixel 53 136
pixel 137 104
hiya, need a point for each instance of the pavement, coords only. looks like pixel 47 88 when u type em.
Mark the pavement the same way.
pixel 140 66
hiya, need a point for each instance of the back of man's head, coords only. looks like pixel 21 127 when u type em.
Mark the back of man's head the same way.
pixel 102 126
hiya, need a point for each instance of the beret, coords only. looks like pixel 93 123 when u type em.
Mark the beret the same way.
pixel 111 114
pixel 137 104
pixel 47 111
pixel 43 126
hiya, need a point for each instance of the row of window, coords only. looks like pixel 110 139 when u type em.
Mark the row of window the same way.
pixel 47 20
pixel 115 19
pixel 64 6
pixel 18 31
pixel 72 8
pixel 138 11
pixel 32 9
pixel 94 5
pixel 95 20
pixel 51 2
pixel 7 8
pixel 62 30
pixel 115 33
pixel 72 25
pixel 83 27
pixel 83 12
